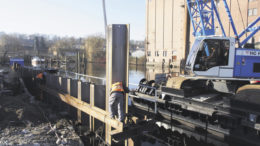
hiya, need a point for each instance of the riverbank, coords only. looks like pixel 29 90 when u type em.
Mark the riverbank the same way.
pixel 139 61
pixel 27 121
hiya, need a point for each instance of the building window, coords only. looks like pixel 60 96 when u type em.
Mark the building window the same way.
pixel 148 53
pixel 252 12
pixel 164 53
pixel 156 53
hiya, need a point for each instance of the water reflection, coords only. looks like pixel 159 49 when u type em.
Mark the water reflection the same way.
pixel 95 69
pixel 136 73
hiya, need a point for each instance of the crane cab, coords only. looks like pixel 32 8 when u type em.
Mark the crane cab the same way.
pixel 211 56
pixel 247 63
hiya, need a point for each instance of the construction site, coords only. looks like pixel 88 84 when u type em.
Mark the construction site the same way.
pixel 206 92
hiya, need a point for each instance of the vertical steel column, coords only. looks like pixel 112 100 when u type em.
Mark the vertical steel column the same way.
pixel 186 35
pixel 117 54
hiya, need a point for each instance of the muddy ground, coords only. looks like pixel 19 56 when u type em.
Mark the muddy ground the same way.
pixel 23 122
pixel 26 121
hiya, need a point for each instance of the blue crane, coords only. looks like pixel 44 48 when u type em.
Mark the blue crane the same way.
pixel 203 13
pixel 217 61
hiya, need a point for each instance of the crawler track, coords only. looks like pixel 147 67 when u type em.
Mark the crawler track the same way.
pixel 221 119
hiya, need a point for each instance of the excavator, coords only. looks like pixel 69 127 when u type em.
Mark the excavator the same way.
pixel 219 63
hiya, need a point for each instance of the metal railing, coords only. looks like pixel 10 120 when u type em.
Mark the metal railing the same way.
pixel 149 99
pixel 82 77
pixel 86 78
pixel 78 76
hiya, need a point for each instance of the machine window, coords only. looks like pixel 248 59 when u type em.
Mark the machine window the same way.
pixel 257 67
pixel 212 53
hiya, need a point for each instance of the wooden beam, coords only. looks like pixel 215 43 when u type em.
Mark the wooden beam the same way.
pixel 92 104
pixel 68 85
pixel 86 108
pixel 79 97
pixel 69 91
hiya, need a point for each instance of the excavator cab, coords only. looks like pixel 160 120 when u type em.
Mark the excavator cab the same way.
pixel 210 55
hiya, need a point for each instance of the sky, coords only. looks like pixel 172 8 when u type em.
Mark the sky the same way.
pixel 78 18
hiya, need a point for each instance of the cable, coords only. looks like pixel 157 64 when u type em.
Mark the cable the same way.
pixel 241 14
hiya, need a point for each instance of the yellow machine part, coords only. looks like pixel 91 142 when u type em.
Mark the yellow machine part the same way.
pixel 249 93
pixel 175 82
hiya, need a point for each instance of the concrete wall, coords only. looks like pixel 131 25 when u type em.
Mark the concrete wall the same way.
pixel 164 26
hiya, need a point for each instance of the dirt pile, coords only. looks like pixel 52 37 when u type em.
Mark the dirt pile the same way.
pixel 23 123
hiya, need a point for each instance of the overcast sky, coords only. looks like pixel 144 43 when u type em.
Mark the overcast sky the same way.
pixel 77 18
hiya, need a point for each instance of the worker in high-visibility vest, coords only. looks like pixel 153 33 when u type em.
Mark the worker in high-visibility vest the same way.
pixel 116 100
pixel 41 77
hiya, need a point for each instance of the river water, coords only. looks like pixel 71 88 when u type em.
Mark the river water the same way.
pixel 136 73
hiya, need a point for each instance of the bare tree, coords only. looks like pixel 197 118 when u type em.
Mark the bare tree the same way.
pixel 94 46
pixel 9 44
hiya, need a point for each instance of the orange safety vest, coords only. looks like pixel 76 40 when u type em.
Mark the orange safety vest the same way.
pixel 39 76
pixel 118 86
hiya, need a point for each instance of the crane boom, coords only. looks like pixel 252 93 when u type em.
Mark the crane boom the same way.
pixel 203 14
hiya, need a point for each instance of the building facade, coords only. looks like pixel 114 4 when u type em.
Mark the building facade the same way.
pixel 165 27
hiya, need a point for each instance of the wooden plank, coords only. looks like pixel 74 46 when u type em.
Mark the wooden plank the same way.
pixel 68 86
pixel 86 108
pixel 130 142
pixel 69 91
pixel 92 104
pixel 79 97
pixel 60 81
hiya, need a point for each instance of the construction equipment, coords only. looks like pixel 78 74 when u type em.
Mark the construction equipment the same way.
pixel 214 94
pixel 217 63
